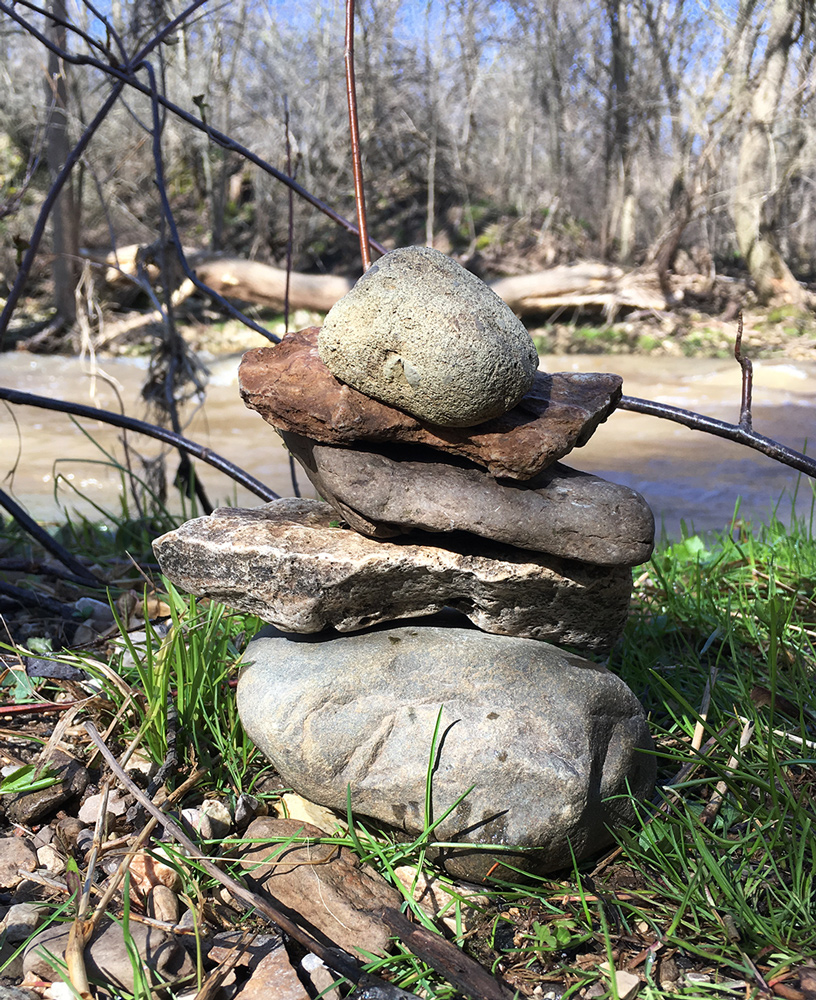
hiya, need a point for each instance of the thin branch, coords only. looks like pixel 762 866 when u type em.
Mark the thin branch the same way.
pixel 290 236
pixel 747 367
pixel 290 231
pixel 42 219
pixel 112 32
pixel 167 211
pixel 334 957
pixel 126 75
pixel 168 29
pixel 732 432
pixel 66 23
pixel 354 135
pixel 30 526
pixel 240 476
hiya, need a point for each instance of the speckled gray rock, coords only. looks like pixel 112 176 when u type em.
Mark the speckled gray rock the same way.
pixel 547 739
pixel 421 333
pixel 106 956
pixel 561 511
pixel 289 563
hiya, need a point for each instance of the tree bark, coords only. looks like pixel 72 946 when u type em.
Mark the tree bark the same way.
pixel 753 218
pixel 64 218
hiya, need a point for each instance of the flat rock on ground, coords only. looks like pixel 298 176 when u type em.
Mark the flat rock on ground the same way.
pixel 547 739
pixel 106 956
pixel 421 333
pixel 293 390
pixel 28 808
pixel 339 897
pixel 287 563
pixel 17 855
pixel 388 492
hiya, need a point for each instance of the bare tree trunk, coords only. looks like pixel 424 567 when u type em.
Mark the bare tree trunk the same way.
pixel 621 203
pixel 753 220
pixel 64 218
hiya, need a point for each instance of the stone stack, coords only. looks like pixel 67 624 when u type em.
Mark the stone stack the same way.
pixel 419 415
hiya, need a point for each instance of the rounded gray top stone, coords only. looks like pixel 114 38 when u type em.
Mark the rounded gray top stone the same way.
pixel 421 333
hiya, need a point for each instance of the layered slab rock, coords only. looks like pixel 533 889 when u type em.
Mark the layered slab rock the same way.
pixel 287 563
pixel 421 333
pixel 549 741
pixel 567 513
pixel 325 884
pixel 293 390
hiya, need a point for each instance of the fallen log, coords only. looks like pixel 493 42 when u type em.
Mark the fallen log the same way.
pixel 262 284
pixel 585 285
pixel 588 284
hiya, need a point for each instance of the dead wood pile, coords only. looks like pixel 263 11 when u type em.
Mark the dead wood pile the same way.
pixel 585 285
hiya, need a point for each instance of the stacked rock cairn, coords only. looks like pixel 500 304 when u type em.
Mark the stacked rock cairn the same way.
pixel 418 413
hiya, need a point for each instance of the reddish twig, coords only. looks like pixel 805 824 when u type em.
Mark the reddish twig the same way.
pixel 290 237
pixel 354 134
pixel 747 379
pixel 290 231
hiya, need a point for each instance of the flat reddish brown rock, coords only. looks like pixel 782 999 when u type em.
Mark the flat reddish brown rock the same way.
pixel 293 390
pixel 325 884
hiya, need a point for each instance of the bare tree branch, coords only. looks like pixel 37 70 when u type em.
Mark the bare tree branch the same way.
pixel 42 219
pixel 217 461
pixel 732 432
pixel 30 526
pixel 127 75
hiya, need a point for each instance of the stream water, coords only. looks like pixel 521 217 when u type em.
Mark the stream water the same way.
pixel 685 475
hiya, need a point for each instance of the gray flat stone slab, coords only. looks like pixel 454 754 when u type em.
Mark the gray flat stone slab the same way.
pixel 289 563
pixel 389 491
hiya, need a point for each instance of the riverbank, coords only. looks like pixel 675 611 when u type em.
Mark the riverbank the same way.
pixel 687 331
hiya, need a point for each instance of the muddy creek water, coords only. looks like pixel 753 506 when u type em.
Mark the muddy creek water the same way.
pixel 685 475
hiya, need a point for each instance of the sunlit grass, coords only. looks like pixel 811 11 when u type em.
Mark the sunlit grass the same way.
pixel 717 877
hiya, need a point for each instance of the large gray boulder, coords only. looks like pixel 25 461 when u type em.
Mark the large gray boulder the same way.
pixel 406 488
pixel 421 333
pixel 549 742
pixel 291 564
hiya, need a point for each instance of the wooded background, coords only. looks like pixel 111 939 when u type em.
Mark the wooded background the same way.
pixel 513 134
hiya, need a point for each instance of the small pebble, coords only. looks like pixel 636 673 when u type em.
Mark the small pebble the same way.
pixel 50 859
pixel 216 821
pixel 89 810
pixel 163 904
pixel 21 921
pixel 84 840
pixel 247 807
